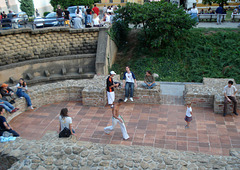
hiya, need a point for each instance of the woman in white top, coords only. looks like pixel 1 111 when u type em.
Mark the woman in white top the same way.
pixel 21 92
pixel 96 20
pixel 65 121
pixel 78 19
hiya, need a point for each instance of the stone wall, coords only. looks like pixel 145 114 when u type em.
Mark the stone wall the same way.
pixel 52 152
pixel 26 44
pixel 209 94
pixel 53 54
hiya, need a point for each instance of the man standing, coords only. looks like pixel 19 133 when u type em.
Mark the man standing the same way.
pixel 128 82
pixel 110 88
pixel 116 118
pixel 219 12
pixel 59 15
pixel 229 93
pixel 96 10
pixel 10 15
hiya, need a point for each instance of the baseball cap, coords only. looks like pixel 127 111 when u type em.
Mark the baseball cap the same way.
pixel 112 72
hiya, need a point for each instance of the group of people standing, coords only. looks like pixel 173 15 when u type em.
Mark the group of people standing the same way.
pixel 7 98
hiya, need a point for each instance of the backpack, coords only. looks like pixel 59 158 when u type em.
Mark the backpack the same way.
pixel 65 133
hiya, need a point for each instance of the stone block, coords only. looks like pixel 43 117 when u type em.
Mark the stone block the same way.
pixel 46 73
pixel 29 76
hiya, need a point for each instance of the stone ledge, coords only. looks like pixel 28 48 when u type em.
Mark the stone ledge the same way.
pixel 209 94
pixel 52 152
pixel 43 60
pixel 47 30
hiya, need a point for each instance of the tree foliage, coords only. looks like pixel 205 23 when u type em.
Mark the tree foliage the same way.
pixel 161 22
pixel 67 3
pixel 27 6
pixel 210 2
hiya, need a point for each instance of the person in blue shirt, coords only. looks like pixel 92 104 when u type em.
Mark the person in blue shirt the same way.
pixel 219 12
pixel 4 126
pixel 129 80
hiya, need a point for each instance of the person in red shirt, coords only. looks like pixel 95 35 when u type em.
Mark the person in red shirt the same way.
pixel 96 10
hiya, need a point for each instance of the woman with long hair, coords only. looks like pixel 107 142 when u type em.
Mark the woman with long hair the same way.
pixel 78 19
pixel 21 92
pixel 65 121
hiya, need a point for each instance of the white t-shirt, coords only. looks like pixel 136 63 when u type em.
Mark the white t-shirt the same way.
pixel 65 122
pixel 230 90
pixel 129 77
pixel 188 114
pixel 96 21
pixel 108 18
pixel 79 15
pixel 194 11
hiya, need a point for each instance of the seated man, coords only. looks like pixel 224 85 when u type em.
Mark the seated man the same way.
pixel 4 126
pixel 7 106
pixel 149 80
pixel 7 93
pixel 229 93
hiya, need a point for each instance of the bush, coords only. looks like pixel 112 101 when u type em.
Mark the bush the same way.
pixel 161 22
pixel 45 14
pixel 201 53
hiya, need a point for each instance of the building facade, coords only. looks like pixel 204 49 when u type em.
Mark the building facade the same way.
pixel 14 5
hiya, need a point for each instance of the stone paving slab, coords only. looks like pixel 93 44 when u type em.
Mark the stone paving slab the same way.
pixel 155 125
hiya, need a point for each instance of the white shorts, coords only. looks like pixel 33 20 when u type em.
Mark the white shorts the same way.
pixel 111 97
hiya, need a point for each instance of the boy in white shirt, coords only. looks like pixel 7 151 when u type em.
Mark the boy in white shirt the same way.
pixel 188 117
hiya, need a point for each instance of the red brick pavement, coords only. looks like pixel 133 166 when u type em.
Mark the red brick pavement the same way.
pixel 152 125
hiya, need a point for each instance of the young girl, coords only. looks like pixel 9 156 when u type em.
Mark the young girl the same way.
pixel 188 117
pixel 65 121
pixel 21 92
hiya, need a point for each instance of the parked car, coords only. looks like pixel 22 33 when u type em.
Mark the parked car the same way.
pixel 6 24
pixel 21 18
pixel 72 10
pixel 49 21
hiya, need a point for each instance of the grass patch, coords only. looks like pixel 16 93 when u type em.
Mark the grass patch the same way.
pixel 204 52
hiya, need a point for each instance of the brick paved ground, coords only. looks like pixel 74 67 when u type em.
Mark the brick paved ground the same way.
pixel 154 125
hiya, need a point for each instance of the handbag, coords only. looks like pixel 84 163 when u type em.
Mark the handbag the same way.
pixel 65 133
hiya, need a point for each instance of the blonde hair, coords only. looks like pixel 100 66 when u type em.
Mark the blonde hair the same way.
pixel 94 16
pixel 189 103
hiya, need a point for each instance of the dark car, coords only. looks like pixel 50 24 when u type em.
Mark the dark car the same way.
pixel 49 21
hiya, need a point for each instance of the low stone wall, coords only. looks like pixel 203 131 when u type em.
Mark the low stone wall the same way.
pixel 142 95
pixel 52 152
pixel 209 94
pixel 91 92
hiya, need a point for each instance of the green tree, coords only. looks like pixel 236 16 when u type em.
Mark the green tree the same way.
pixel 161 22
pixel 210 2
pixel 67 3
pixel 27 6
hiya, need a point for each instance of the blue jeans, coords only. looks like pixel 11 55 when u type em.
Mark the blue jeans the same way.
pixel 21 93
pixel 89 19
pixel 127 87
pixel 7 106
pixel 149 87
pixel 10 131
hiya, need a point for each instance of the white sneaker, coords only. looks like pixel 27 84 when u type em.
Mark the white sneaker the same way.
pixel 21 97
pixel 31 107
pixel 131 99
pixel 125 100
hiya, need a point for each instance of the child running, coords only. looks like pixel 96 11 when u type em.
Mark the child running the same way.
pixel 188 117
pixel 116 118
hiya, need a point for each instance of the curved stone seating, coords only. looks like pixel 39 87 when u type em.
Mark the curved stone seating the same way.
pixel 209 94
pixel 92 92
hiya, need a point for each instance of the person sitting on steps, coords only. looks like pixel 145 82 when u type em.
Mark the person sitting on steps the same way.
pixel 149 80
pixel 229 93
pixel 21 92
